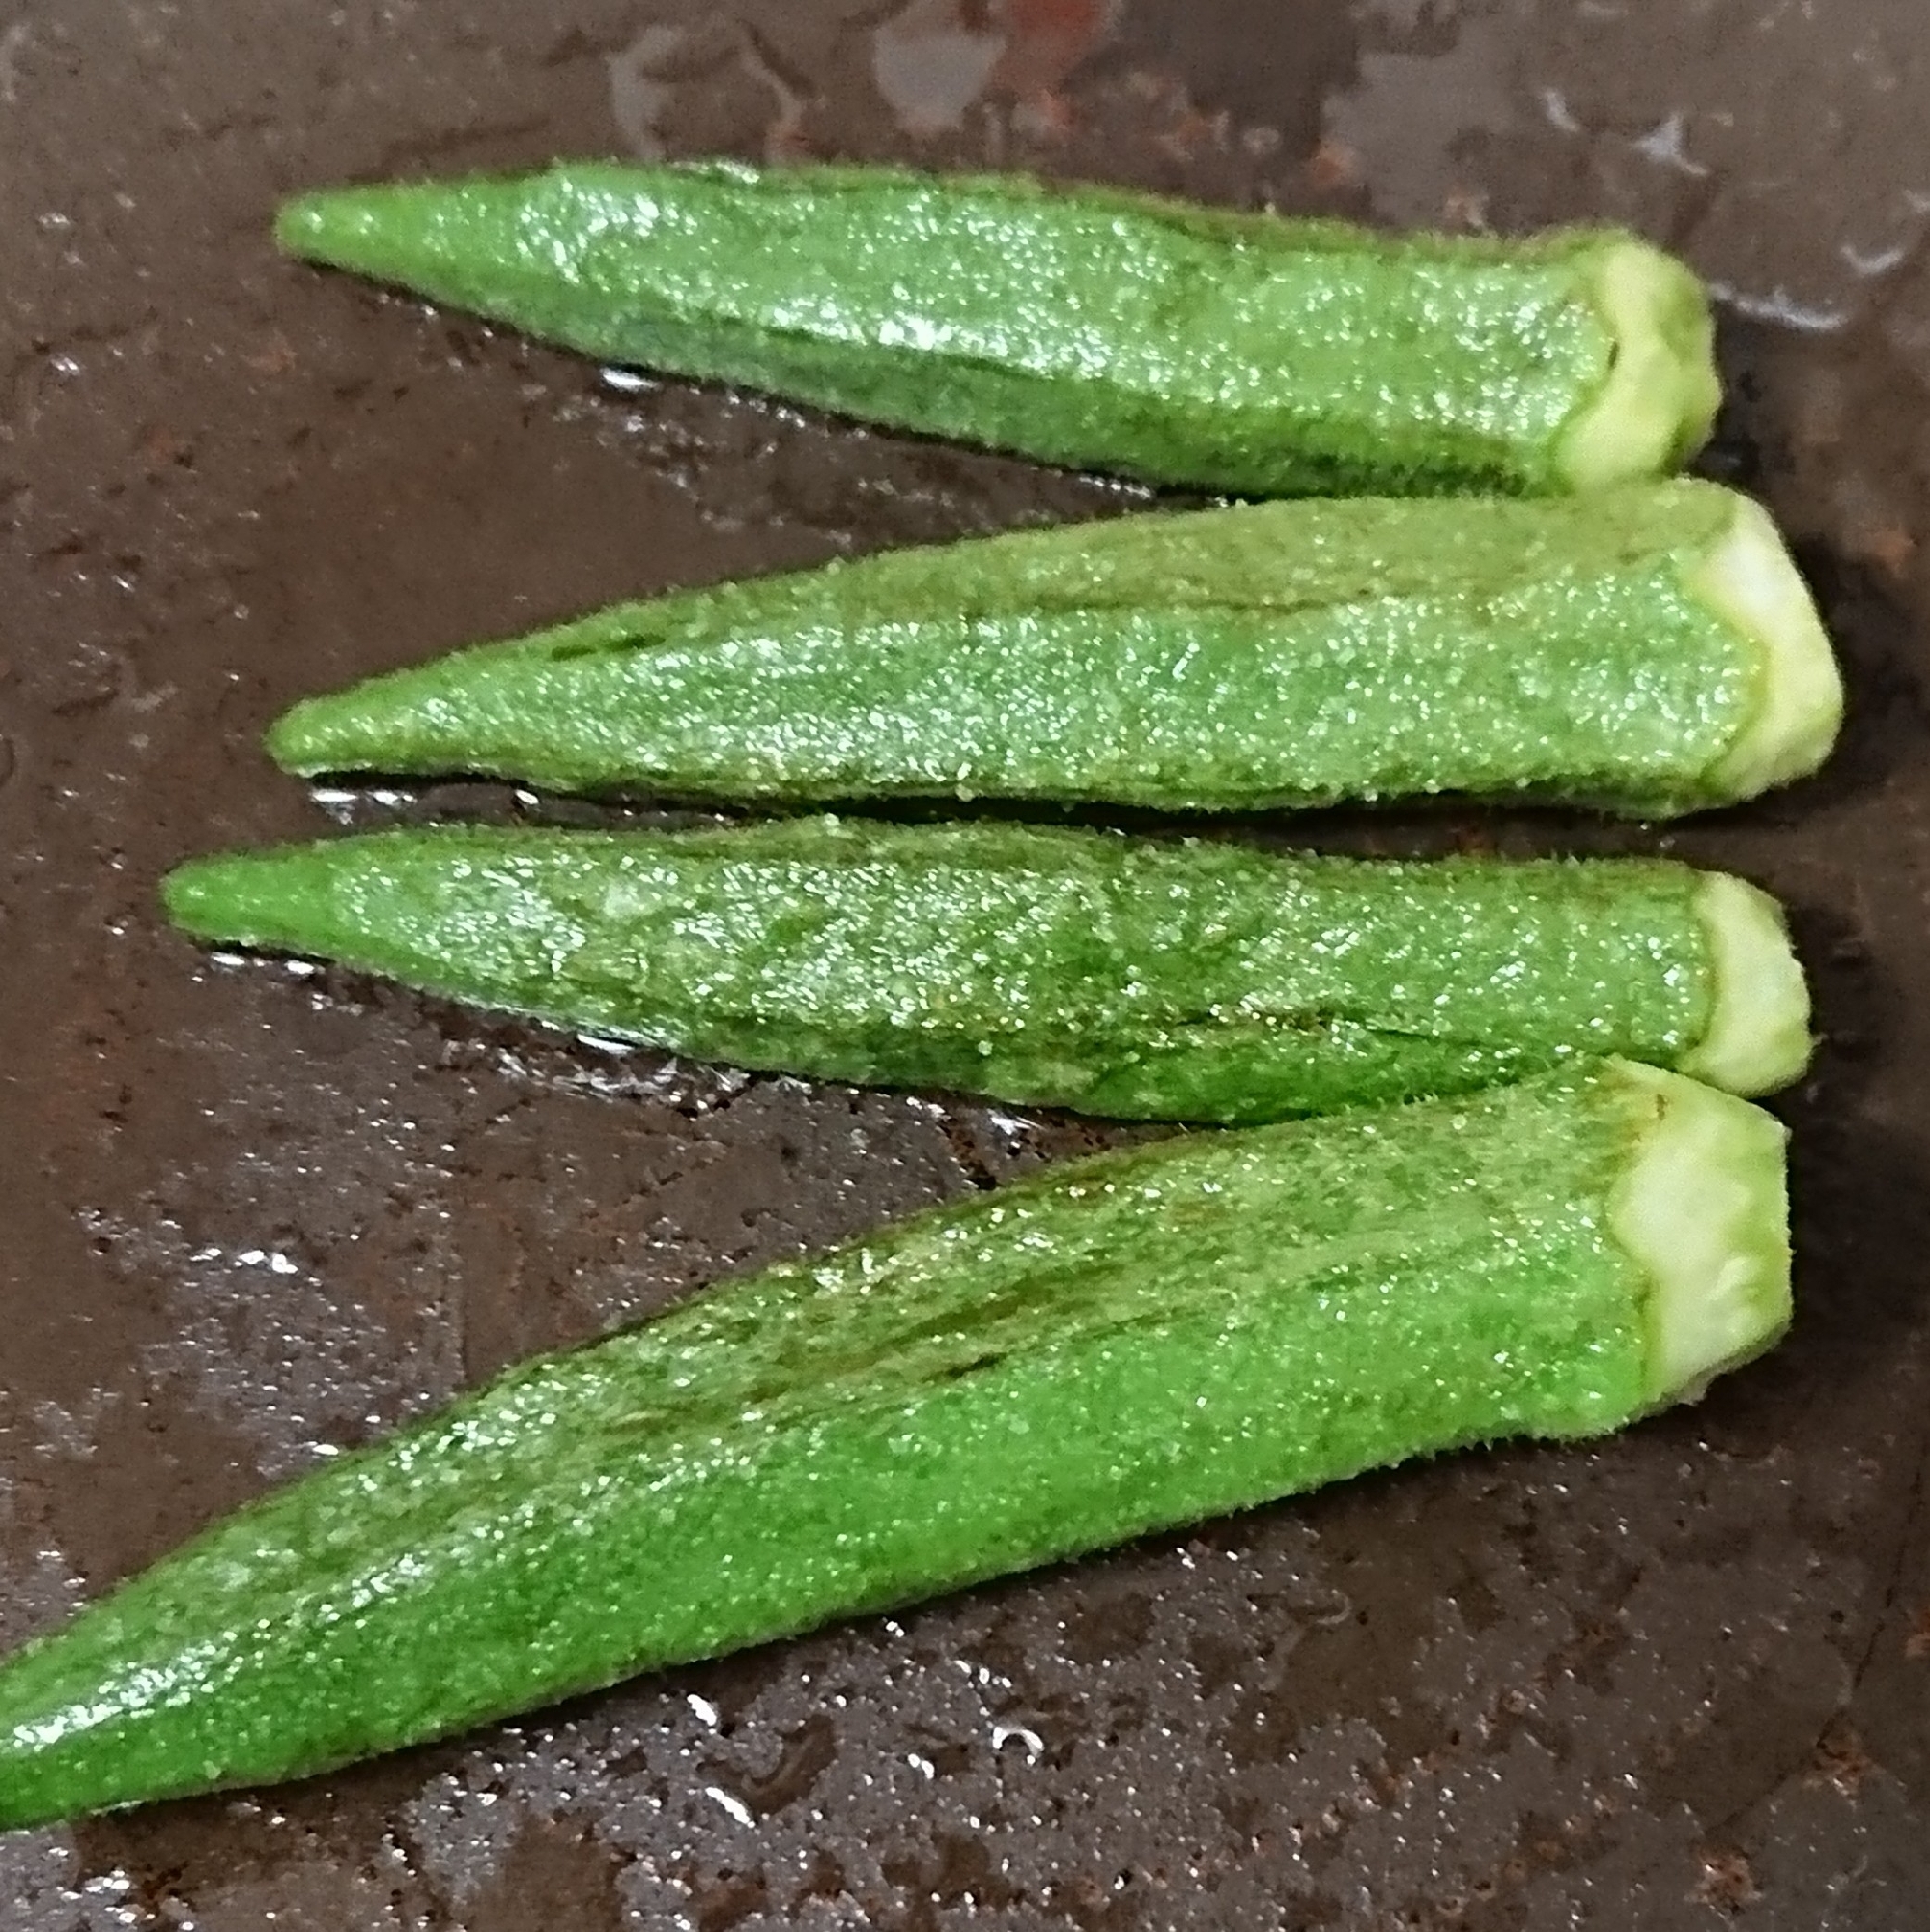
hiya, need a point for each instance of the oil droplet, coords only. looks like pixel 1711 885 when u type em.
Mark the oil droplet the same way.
pixel 6 759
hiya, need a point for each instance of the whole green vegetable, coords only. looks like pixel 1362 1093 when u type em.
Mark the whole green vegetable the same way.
pixel 1120 1346
pixel 1057 968
pixel 1651 650
pixel 1082 325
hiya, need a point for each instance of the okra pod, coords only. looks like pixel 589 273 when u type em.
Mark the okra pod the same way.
pixel 1120 1346
pixel 1083 325
pixel 1651 651
pixel 1059 968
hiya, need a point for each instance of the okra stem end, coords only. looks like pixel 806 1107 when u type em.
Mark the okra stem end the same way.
pixel 1704 1211
pixel 1751 581
pixel 1757 1038
pixel 1658 402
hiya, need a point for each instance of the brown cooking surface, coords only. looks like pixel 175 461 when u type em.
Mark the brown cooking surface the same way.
pixel 1679 1681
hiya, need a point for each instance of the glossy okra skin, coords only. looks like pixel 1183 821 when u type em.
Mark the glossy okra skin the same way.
pixel 1628 650
pixel 1117 1345
pixel 1085 325
pixel 1060 968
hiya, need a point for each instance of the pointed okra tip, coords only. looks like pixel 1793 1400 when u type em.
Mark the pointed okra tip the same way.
pixel 408 233
pixel 327 734
pixel 1703 1209
pixel 333 224
pixel 209 898
pixel 432 717
pixel 275 900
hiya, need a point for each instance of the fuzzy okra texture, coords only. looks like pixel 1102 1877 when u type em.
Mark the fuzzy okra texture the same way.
pixel 1136 1342
pixel 1117 975
pixel 1651 651
pixel 1084 326
pixel 1118 1346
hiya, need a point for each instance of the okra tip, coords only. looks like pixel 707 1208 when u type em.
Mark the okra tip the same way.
pixel 347 730
pixel 1703 1209
pixel 195 898
pixel 268 899
pixel 389 230
pixel 313 227
pixel 1659 401
pixel 288 741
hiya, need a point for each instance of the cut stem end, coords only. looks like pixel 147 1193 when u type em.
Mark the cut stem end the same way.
pixel 1751 582
pixel 1660 401
pixel 1757 1038
pixel 1704 1210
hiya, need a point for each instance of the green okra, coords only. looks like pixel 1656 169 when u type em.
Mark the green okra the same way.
pixel 1059 968
pixel 1123 1345
pixel 1651 650
pixel 1083 325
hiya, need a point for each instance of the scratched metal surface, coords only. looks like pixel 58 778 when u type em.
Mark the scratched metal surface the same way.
pixel 1679 1681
